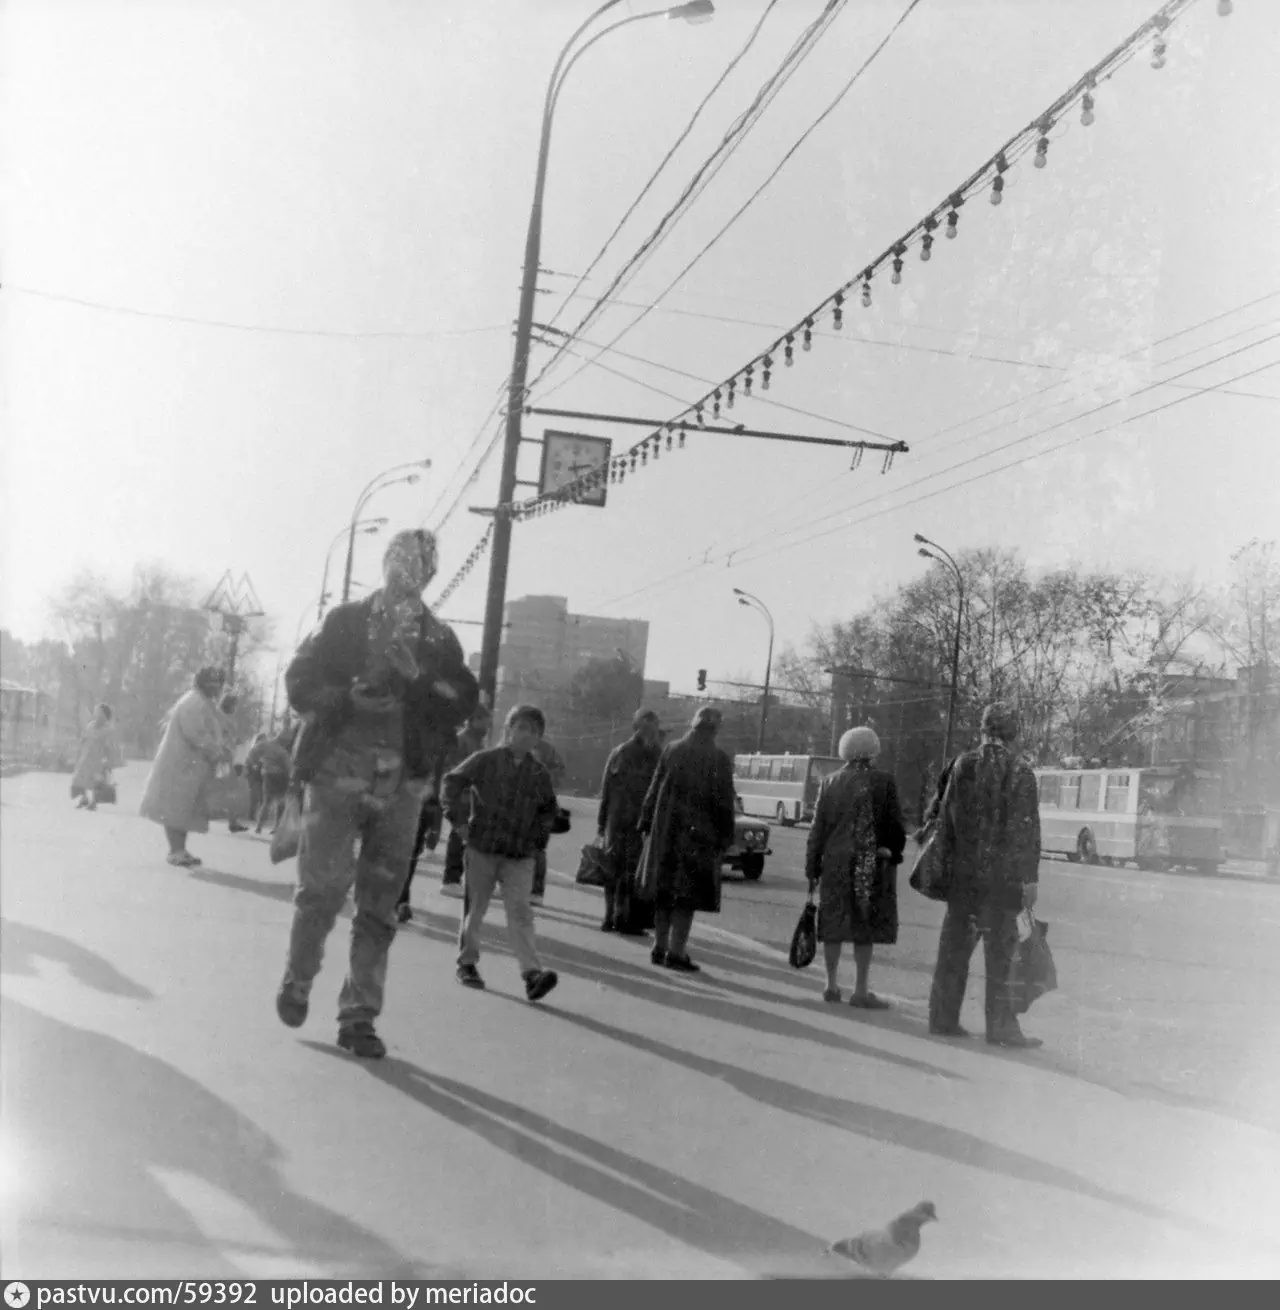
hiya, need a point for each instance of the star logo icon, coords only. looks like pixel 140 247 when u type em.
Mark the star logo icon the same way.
pixel 16 1295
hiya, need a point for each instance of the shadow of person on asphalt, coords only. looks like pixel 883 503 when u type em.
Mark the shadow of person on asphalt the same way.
pixel 881 1124
pixel 96 1117
pixel 723 1228
pixel 21 945
pixel 646 982
pixel 238 882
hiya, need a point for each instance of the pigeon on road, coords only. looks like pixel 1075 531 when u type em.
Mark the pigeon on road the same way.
pixel 882 1250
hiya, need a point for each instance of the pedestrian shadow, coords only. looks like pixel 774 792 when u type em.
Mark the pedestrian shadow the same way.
pixel 880 1124
pixel 102 1118
pixel 238 882
pixel 648 983
pixel 756 1242
pixel 22 945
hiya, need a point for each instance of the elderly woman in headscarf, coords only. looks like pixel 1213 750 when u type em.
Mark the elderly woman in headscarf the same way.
pixel 194 744
pixel 854 849
pixel 990 817
pixel 99 754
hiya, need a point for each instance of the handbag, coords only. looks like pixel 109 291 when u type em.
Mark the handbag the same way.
pixel 804 941
pixel 104 792
pixel 592 868
pixel 1033 971
pixel 562 822
pixel 931 873
pixel 285 839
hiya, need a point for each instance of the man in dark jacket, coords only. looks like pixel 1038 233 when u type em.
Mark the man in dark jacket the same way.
pixel 688 816
pixel 991 834
pixel 383 687
pixel 511 810
pixel 627 774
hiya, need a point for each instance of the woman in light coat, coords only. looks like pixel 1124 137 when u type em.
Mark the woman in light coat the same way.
pixel 194 745
pixel 99 754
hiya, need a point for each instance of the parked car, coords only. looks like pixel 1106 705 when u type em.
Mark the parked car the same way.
pixel 750 846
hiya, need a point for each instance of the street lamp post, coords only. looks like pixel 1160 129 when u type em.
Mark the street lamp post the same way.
pixel 500 549
pixel 366 527
pixel 754 602
pixel 375 484
pixel 944 557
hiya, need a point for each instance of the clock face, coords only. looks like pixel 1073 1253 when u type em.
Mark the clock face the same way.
pixel 573 462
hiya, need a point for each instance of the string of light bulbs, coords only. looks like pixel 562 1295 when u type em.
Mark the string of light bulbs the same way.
pixel 477 553
pixel 1033 139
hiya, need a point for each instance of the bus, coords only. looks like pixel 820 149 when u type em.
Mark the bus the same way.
pixel 1157 817
pixel 781 787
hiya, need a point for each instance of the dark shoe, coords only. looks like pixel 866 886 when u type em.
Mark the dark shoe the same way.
pixel 403 913
pixel 868 1002
pixel 657 956
pixel 469 976
pixel 629 930
pixel 361 1040
pixel 539 982
pixel 237 827
pixel 1017 1040
pixel 832 995
pixel 607 926
pixel 954 1030
pixel 681 964
pixel 291 1008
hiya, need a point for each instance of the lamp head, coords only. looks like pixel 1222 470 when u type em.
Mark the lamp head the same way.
pixel 928 554
pixel 920 538
pixel 696 11
pixel 412 478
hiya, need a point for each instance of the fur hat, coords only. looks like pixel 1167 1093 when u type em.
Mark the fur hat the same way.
pixel 859 744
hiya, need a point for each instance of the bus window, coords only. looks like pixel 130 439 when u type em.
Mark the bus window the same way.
pixel 1050 789
pixel 741 768
pixel 1069 795
pixel 787 771
pixel 1090 791
pixel 758 767
pixel 1117 792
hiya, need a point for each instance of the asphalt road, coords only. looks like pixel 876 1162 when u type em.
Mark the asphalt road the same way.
pixel 1167 981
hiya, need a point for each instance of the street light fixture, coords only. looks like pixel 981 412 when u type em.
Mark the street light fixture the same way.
pixel 375 484
pixel 695 11
pixel 366 528
pixel 944 557
pixel 754 602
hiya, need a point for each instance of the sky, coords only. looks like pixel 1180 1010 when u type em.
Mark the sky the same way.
pixel 256 253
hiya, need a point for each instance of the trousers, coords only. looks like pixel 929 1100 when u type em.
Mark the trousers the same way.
pixel 335 817
pixel 483 873
pixel 966 921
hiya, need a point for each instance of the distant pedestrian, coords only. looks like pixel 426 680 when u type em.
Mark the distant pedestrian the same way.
pixel 384 686
pixel 627 774
pixel 990 817
pixel 546 755
pixel 469 740
pixel 193 746
pixel 268 760
pixel 98 755
pixel 854 849
pixel 510 807
pixel 688 819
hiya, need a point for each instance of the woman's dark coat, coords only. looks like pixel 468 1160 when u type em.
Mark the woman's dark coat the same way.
pixel 857 813
pixel 627 775
pixel 688 817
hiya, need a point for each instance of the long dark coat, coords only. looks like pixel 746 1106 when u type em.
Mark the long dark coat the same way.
pixel 991 833
pixel 688 817
pixel 857 812
pixel 627 775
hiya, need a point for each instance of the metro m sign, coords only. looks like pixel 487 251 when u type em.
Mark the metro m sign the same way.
pixel 568 456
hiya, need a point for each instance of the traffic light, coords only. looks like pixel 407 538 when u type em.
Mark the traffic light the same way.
pixel 702 679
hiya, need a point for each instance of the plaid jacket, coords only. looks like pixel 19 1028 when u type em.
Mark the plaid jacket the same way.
pixel 512 802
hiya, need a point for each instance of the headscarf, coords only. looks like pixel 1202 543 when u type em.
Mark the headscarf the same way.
pixel 210 680
pixel 859 744
pixel 708 718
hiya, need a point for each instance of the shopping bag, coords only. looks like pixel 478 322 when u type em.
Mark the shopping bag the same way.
pixel 104 792
pixel 592 867
pixel 804 941
pixel 930 875
pixel 1033 972
pixel 288 832
pixel 562 822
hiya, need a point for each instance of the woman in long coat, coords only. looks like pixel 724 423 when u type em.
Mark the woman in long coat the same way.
pixel 99 754
pixel 194 744
pixel 688 818
pixel 855 847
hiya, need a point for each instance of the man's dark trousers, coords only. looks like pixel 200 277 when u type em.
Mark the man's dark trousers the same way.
pixel 967 919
